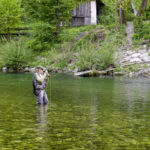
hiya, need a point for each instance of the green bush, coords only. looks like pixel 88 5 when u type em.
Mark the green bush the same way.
pixel 147 14
pixel 15 55
pixel 68 34
pixel 44 35
pixel 142 29
pixel 95 57
pixel 106 16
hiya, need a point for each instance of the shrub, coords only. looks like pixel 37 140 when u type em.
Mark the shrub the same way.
pixel 95 57
pixel 69 34
pixel 142 29
pixel 106 16
pixel 44 35
pixel 147 14
pixel 15 55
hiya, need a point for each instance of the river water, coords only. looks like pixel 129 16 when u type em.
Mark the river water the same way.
pixel 83 114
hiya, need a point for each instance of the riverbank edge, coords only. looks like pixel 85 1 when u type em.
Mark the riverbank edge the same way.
pixel 88 73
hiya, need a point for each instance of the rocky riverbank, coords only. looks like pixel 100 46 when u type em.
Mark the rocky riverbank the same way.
pixel 132 63
pixel 125 61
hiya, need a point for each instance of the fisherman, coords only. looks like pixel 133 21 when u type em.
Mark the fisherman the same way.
pixel 39 85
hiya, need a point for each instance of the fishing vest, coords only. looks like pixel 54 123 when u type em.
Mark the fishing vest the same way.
pixel 38 86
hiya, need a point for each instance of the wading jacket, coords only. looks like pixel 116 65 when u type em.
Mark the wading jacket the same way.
pixel 39 83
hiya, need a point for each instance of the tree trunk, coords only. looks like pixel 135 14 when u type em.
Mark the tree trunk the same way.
pixel 58 18
pixel 122 16
pixel 8 30
pixel 116 11
pixel 58 22
pixel 142 7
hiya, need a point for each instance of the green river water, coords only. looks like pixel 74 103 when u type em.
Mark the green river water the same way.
pixel 83 114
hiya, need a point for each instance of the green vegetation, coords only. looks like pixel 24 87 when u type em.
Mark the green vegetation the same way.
pixel 44 34
pixel 51 42
pixel 93 49
pixel 15 54
pixel 142 30
pixel 10 15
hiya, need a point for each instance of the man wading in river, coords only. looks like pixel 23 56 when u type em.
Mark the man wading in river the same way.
pixel 39 85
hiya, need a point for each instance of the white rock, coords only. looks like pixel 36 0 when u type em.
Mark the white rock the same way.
pixel 146 58
pixel 135 60
pixel 131 74
pixel 31 69
pixel 142 51
pixel 126 59
pixel 4 69
pixel 129 52
pixel 26 69
pixel 135 55
pixel 143 55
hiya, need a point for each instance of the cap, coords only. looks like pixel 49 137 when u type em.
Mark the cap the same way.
pixel 40 67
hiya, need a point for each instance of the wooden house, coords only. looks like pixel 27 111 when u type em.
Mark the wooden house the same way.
pixel 86 14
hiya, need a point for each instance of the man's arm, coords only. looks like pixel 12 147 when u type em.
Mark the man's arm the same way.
pixel 41 78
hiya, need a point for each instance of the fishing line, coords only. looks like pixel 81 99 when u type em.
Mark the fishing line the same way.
pixel 50 87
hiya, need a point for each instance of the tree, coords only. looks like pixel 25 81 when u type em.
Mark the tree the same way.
pixel 142 7
pixel 120 7
pixel 51 16
pixel 122 15
pixel 53 12
pixel 10 14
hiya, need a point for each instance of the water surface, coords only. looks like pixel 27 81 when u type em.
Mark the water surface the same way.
pixel 83 114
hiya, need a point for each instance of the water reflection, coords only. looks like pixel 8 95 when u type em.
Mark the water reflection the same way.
pixel 41 119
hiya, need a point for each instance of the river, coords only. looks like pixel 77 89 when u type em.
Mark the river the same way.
pixel 82 114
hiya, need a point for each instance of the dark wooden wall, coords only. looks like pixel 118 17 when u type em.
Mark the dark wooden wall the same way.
pixel 82 11
pixel 81 15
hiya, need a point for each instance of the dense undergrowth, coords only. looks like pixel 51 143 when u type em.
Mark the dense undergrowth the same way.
pixel 89 47
pixel 69 48
pixel 74 48
pixel 15 54
pixel 142 30
pixel 82 48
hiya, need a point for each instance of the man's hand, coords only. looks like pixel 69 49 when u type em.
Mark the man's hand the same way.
pixel 47 74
